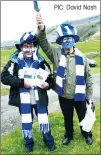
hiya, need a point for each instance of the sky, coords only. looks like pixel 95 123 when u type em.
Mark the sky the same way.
pixel 18 17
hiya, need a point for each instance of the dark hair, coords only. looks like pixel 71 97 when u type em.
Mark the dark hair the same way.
pixel 35 43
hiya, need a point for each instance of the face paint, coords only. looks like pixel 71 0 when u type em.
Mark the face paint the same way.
pixel 28 49
pixel 67 42
pixel 28 52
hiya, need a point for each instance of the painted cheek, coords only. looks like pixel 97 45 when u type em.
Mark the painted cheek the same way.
pixel 33 49
pixel 24 49
pixel 68 44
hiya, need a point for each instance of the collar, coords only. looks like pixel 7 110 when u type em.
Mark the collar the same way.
pixel 70 54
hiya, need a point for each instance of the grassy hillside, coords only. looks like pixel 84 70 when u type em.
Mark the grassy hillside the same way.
pixel 86 28
pixel 90 46
pixel 84 20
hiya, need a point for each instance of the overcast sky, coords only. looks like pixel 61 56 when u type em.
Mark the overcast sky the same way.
pixel 18 17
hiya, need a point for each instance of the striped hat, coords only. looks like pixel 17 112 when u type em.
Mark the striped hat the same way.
pixel 64 30
pixel 27 37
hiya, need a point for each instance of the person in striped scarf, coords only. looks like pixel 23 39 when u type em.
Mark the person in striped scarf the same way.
pixel 25 93
pixel 72 75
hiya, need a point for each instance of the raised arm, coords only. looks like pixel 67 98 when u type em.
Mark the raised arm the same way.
pixel 50 51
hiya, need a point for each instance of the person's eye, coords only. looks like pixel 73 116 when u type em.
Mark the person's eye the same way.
pixel 64 39
pixel 70 39
pixel 25 46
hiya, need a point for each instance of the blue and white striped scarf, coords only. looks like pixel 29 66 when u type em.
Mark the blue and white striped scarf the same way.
pixel 26 107
pixel 80 81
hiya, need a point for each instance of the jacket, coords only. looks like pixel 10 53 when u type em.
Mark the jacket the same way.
pixel 9 76
pixel 54 54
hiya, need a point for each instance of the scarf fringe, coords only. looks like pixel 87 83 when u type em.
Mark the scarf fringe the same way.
pixel 44 128
pixel 27 133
